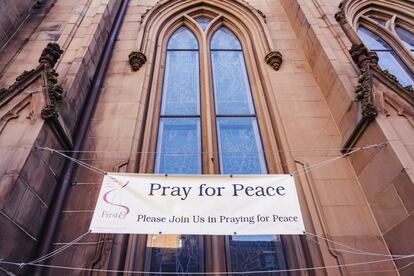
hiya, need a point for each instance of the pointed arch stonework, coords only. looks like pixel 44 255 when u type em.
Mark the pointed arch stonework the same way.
pixel 350 15
pixel 249 25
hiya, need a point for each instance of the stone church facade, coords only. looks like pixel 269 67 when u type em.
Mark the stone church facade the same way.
pixel 322 89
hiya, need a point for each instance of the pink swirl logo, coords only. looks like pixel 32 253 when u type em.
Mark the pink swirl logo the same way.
pixel 107 200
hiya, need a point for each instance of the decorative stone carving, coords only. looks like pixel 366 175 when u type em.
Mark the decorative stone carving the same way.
pixel 262 15
pixel 46 76
pixel 274 59
pixel 50 54
pixel 38 4
pixel 364 95
pixel 3 93
pixel 136 60
pixel 143 16
pixel 254 9
pixel 359 53
pixel 26 75
pixel 340 15
pixel 389 76
pixel 55 95
pixel 362 56
pixel 365 60
pixel 409 89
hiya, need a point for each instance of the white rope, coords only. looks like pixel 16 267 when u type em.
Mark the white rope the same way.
pixel 352 249
pixel 212 273
pixel 55 252
pixel 86 165
pixel 296 173
pixel 328 161
pixel 204 152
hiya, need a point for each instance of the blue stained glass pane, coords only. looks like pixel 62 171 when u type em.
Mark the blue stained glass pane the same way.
pixel 406 36
pixel 256 253
pixel 224 39
pixel 240 146
pixel 252 238
pixel 183 39
pixel 185 257
pixel 391 62
pixel 379 20
pixel 181 89
pixel 203 21
pixel 179 148
pixel 372 40
pixel 231 85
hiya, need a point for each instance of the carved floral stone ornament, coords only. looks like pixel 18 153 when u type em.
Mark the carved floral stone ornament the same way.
pixel 342 19
pixel 274 59
pixel 365 60
pixel 55 95
pixel 136 60
pixel 54 92
pixel 45 76
pixel 51 54
pixel 340 15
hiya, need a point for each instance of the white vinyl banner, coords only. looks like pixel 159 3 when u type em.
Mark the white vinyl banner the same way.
pixel 198 204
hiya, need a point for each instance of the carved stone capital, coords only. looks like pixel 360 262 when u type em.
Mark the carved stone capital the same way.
pixel 340 17
pixel 50 54
pixel 136 60
pixel 274 59
pixel 360 54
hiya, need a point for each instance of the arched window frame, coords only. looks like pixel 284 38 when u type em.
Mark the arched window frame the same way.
pixel 265 126
pixel 362 13
pixel 389 34
pixel 255 76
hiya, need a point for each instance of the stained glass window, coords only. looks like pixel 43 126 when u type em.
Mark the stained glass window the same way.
pixel 388 59
pixel 179 145
pixel 203 21
pixel 406 36
pixel 379 21
pixel 240 145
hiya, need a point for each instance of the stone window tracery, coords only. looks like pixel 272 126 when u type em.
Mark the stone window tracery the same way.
pixel 388 58
pixel 384 34
pixel 209 49
pixel 385 28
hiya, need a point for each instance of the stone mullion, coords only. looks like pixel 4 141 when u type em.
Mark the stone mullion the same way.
pixel 214 246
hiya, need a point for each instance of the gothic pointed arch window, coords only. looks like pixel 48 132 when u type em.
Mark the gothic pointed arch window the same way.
pixel 205 120
pixel 392 38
